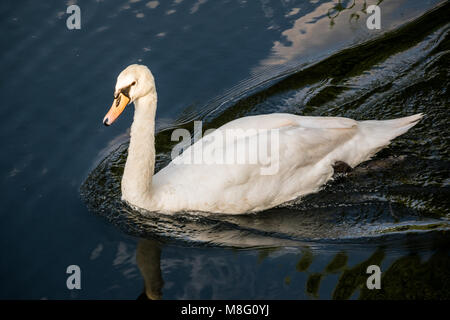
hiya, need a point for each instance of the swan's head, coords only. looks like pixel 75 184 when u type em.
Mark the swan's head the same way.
pixel 134 82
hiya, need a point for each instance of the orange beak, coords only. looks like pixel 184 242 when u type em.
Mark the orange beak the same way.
pixel 117 108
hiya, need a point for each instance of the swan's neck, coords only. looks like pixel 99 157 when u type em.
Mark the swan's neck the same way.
pixel 140 165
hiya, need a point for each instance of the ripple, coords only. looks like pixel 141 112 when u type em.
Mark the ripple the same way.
pixel 403 190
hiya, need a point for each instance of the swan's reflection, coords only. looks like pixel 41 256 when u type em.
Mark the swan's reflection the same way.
pixel 407 273
pixel 148 258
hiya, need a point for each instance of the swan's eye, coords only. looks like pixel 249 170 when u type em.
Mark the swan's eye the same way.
pixel 133 83
pixel 126 90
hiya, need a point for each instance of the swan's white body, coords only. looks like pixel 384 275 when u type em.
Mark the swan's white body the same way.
pixel 308 149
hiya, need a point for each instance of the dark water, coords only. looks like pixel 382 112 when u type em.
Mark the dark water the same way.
pixel 216 61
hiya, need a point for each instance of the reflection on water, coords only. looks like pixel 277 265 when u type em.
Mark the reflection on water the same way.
pixel 148 258
pixel 408 274
pixel 326 28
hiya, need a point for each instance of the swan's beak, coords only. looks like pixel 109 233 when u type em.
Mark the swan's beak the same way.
pixel 117 107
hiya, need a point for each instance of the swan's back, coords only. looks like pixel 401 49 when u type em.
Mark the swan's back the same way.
pixel 301 162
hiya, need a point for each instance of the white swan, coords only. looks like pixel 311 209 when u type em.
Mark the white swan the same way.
pixel 307 149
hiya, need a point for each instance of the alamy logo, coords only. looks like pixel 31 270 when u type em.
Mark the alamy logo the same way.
pixel 74 20
pixel 228 146
pixel 374 20
pixel 374 281
pixel 74 280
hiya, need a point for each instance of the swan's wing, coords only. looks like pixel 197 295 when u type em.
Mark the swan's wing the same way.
pixel 280 120
pixel 298 165
pixel 299 142
pixel 312 136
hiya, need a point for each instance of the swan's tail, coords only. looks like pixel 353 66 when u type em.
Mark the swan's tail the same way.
pixel 395 127
pixel 390 129
pixel 377 134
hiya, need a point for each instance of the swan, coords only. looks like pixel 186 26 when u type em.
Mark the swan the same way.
pixel 307 148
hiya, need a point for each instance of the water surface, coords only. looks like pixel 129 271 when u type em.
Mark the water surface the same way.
pixel 217 61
